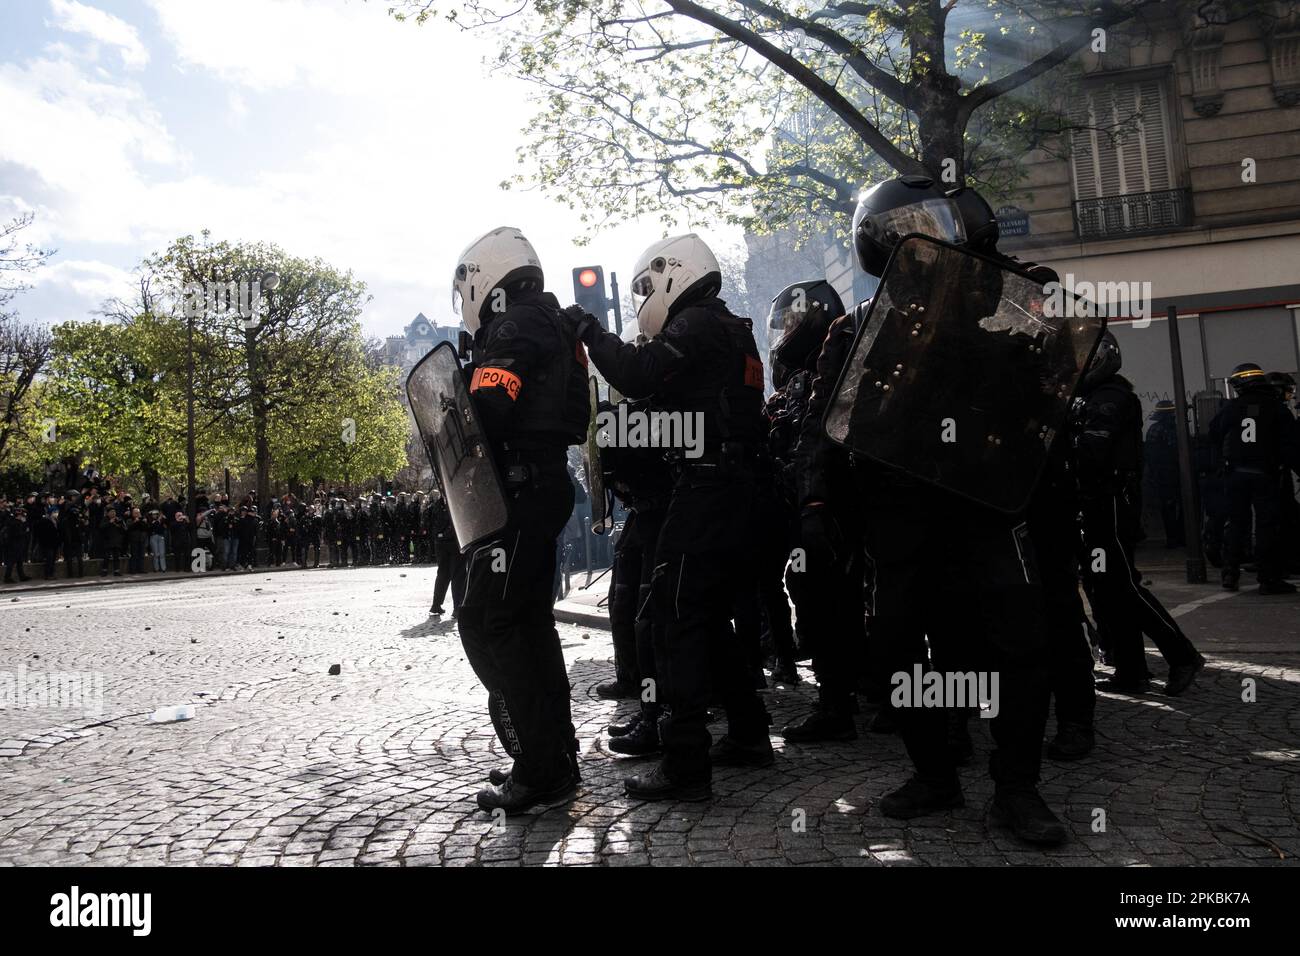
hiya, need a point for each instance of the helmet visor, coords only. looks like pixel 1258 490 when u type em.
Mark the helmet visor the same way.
pixel 642 286
pixel 937 218
pixel 457 299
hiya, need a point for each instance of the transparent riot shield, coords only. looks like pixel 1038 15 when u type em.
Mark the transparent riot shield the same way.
pixel 592 464
pixel 962 373
pixel 457 448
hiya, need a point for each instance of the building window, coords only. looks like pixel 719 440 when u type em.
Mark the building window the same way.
pixel 1121 162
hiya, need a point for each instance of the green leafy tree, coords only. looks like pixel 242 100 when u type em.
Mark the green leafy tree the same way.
pixel 115 400
pixel 360 430
pixel 263 358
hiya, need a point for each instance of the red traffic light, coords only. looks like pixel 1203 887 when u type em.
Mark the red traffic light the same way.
pixel 588 278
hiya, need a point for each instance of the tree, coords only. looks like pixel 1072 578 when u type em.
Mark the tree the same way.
pixel 24 352
pixel 24 346
pixel 115 400
pixel 17 259
pixel 361 429
pixel 262 358
pixel 768 113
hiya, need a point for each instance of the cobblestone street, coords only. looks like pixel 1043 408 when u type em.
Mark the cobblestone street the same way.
pixel 284 764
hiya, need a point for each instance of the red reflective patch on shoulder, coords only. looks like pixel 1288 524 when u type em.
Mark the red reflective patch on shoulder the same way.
pixel 580 354
pixel 753 372
pixel 489 377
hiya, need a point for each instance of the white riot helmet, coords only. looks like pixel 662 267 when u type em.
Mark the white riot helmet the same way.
pixel 668 270
pixel 492 261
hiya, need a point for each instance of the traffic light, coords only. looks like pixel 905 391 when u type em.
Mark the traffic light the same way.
pixel 589 292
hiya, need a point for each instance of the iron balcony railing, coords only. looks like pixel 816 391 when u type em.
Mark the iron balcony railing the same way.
pixel 1135 214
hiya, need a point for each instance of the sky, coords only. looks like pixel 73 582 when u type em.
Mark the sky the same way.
pixel 321 125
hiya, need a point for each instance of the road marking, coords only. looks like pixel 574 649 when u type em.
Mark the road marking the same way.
pixel 1191 606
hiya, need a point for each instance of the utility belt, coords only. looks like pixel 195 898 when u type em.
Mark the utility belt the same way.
pixel 730 460
pixel 524 467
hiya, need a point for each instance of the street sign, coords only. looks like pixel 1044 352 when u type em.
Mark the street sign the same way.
pixel 1012 221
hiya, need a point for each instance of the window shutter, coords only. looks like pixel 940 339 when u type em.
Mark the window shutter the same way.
pixel 1127 151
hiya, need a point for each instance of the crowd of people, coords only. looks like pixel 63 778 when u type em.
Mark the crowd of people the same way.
pixel 146 536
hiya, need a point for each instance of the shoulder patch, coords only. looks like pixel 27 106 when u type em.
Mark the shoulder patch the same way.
pixel 676 327
pixel 503 330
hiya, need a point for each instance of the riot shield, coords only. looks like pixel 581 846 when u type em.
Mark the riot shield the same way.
pixel 962 372
pixel 592 464
pixel 457 448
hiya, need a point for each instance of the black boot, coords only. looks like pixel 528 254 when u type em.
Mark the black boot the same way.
pixel 918 797
pixel 643 740
pixel 1072 741
pixel 655 785
pixel 498 776
pixel 621 728
pixel 616 690
pixel 514 797
pixel 1134 688
pixel 1181 677
pixel 822 724
pixel 1276 587
pixel 732 753
pixel 1024 812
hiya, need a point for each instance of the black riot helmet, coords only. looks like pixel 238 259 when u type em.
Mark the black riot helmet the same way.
pixel 978 220
pixel 802 312
pixel 1105 363
pixel 1246 377
pixel 1284 382
pixel 896 207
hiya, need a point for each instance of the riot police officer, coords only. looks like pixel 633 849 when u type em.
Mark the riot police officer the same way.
pixel 1161 460
pixel 1259 442
pixel 529 385
pixel 1107 440
pixel 446 553
pixel 643 481
pixel 700 362
pixel 918 536
pixel 821 581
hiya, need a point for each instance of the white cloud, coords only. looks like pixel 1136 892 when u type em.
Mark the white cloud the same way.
pixel 102 27
pixel 90 280
pixel 87 140
pixel 398 143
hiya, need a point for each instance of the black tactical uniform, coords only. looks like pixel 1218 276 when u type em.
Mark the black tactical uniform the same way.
pixel 446 552
pixel 1107 438
pixel 1259 440
pixel 643 481
pixel 703 362
pixel 989 614
pixel 1161 462
pixel 329 526
pixel 72 524
pixel 829 594
pixel 530 388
